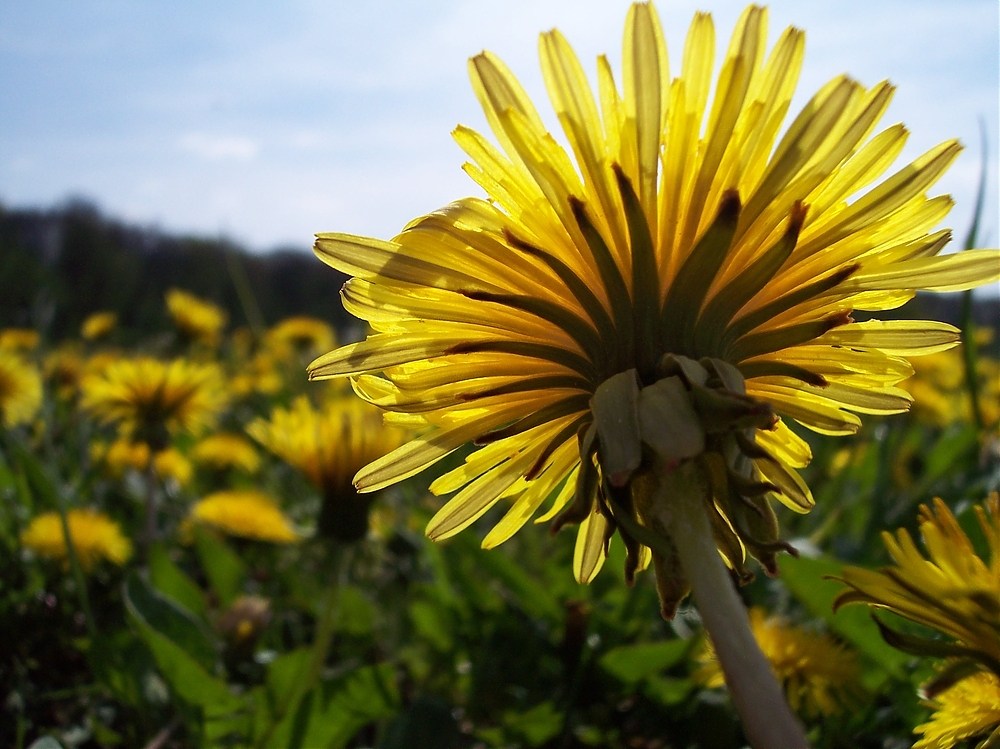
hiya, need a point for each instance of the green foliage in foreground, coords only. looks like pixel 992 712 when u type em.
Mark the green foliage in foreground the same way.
pixel 401 643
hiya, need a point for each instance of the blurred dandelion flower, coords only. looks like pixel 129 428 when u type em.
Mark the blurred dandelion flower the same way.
pixel 623 328
pixel 121 455
pixel 329 444
pixel 969 709
pixel 226 450
pixel 172 465
pixel 150 398
pixel 63 367
pixel 94 535
pixel 259 374
pixel 19 339
pixel 949 589
pixel 20 389
pixel 197 320
pixel 819 675
pixel 678 292
pixel 247 514
pixel 306 335
pixel 98 326
pixel 940 393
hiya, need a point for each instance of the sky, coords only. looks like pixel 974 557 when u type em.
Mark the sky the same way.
pixel 268 122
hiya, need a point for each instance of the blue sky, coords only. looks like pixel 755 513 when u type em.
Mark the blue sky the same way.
pixel 268 122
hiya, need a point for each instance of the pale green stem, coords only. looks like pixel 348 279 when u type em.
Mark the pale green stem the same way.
pixel 767 720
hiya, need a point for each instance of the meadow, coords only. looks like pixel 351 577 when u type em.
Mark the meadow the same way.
pixel 227 587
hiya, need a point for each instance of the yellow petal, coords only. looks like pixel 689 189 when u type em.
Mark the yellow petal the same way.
pixel 896 337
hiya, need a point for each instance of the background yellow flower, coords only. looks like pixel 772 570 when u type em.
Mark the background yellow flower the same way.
pixel 20 389
pixel 95 538
pixel 248 514
pixel 198 320
pixel 820 676
pixel 149 398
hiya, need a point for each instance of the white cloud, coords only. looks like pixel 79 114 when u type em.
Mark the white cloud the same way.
pixel 220 147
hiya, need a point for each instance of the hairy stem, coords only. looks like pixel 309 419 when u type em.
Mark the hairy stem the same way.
pixel 767 720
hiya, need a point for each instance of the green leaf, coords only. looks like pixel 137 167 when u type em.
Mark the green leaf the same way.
pixel 330 715
pixel 634 663
pixel 355 612
pixel 530 594
pixel 668 690
pixel 427 722
pixel 535 726
pixel 223 567
pixel 810 583
pixel 170 580
pixel 182 673
pixel 170 619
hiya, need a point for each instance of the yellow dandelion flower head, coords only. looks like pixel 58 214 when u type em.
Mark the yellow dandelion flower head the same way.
pixel 819 675
pixel 226 450
pixel 19 339
pixel 969 709
pixel 674 286
pixel 327 443
pixel 172 465
pixel 122 455
pixel 308 335
pixel 64 367
pixel 95 538
pixel 149 397
pixel 941 394
pixel 949 587
pixel 98 325
pixel 260 375
pixel 20 389
pixel 247 514
pixel 197 319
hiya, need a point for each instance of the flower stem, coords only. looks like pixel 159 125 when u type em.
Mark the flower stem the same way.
pixel 767 720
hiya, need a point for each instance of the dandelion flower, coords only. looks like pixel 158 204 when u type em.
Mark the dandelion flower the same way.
pixel 98 325
pixel 121 455
pixel 940 394
pixel 819 675
pixel 197 320
pixel 624 328
pixel 226 450
pixel 18 339
pixel 246 514
pixel 171 464
pixel 63 367
pixel 949 588
pixel 329 444
pixel 969 709
pixel 694 283
pixel 307 335
pixel 20 389
pixel 95 538
pixel 150 398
